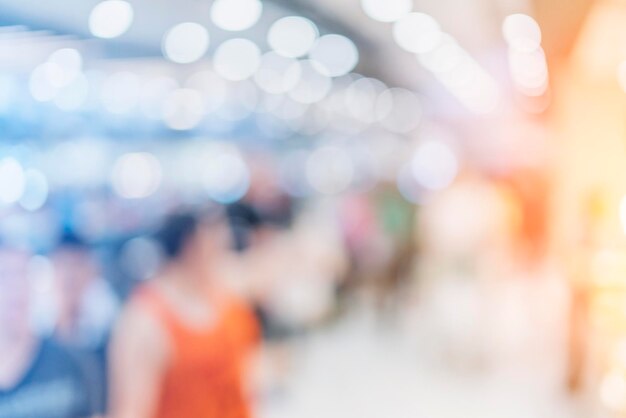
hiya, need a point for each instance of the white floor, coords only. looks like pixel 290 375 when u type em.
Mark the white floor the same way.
pixel 362 370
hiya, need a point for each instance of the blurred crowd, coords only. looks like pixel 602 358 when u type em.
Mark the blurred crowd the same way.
pixel 188 310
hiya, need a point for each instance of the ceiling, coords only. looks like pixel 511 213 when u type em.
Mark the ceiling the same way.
pixel 475 24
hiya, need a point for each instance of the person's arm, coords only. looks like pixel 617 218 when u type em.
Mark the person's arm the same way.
pixel 138 357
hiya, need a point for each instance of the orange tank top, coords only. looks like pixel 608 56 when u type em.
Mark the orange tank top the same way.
pixel 204 378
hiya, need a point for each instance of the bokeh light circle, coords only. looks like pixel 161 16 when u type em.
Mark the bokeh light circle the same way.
pixel 334 55
pixel 417 32
pixel 292 36
pixel 186 42
pixel 236 15
pixel 111 18
pixel 386 10
pixel 136 175
pixel 237 59
pixel 434 165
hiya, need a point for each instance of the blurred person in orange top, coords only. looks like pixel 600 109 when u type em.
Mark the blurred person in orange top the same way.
pixel 182 346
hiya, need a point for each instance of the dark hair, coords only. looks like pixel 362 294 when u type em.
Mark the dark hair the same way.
pixel 175 233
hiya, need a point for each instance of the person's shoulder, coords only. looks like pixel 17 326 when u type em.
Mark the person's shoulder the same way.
pixel 140 309
pixel 230 297
pixel 242 321
pixel 238 308
pixel 140 331
pixel 141 319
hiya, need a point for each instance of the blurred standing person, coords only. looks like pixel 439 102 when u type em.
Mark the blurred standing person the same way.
pixel 267 263
pixel 293 273
pixel 88 303
pixel 396 220
pixel 366 245
pixel 181 347
pixel 87 306
pixel 357 221
pixel 38 378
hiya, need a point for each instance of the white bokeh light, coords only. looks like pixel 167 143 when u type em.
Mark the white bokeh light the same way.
pixel 462 76
pixel 233 112
pixel 236 15
pixel 386 10
pixel 417 33
pixel 213 88
pixel 62 69
pixel 55 74
pixel 277 74
pixel 237 59
pixel 312 85
pixel 362 99
pixel 445 57
pixel 77 163
pixel 292 36
pixel 245 93
pixel 527 60
pixel 521 32
pixel 40 85
pixel 225 175
pixel 406 110
pixel 8 92
pixel 613 390
pixel 120 92
pixel 12 180
pixel 186 43
pixel 529 71
pixel 329 170
pixel 334 55
pixel 434 165
pixel 154 91
pixel 95 78
pixel 292 174
pixel 41 271
pixel 35 190
pixel 289 109
pixel 136 175
pixel 183 109
pixel 74 95
pixel 111 18
pixel 269 103
pixel 69 64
